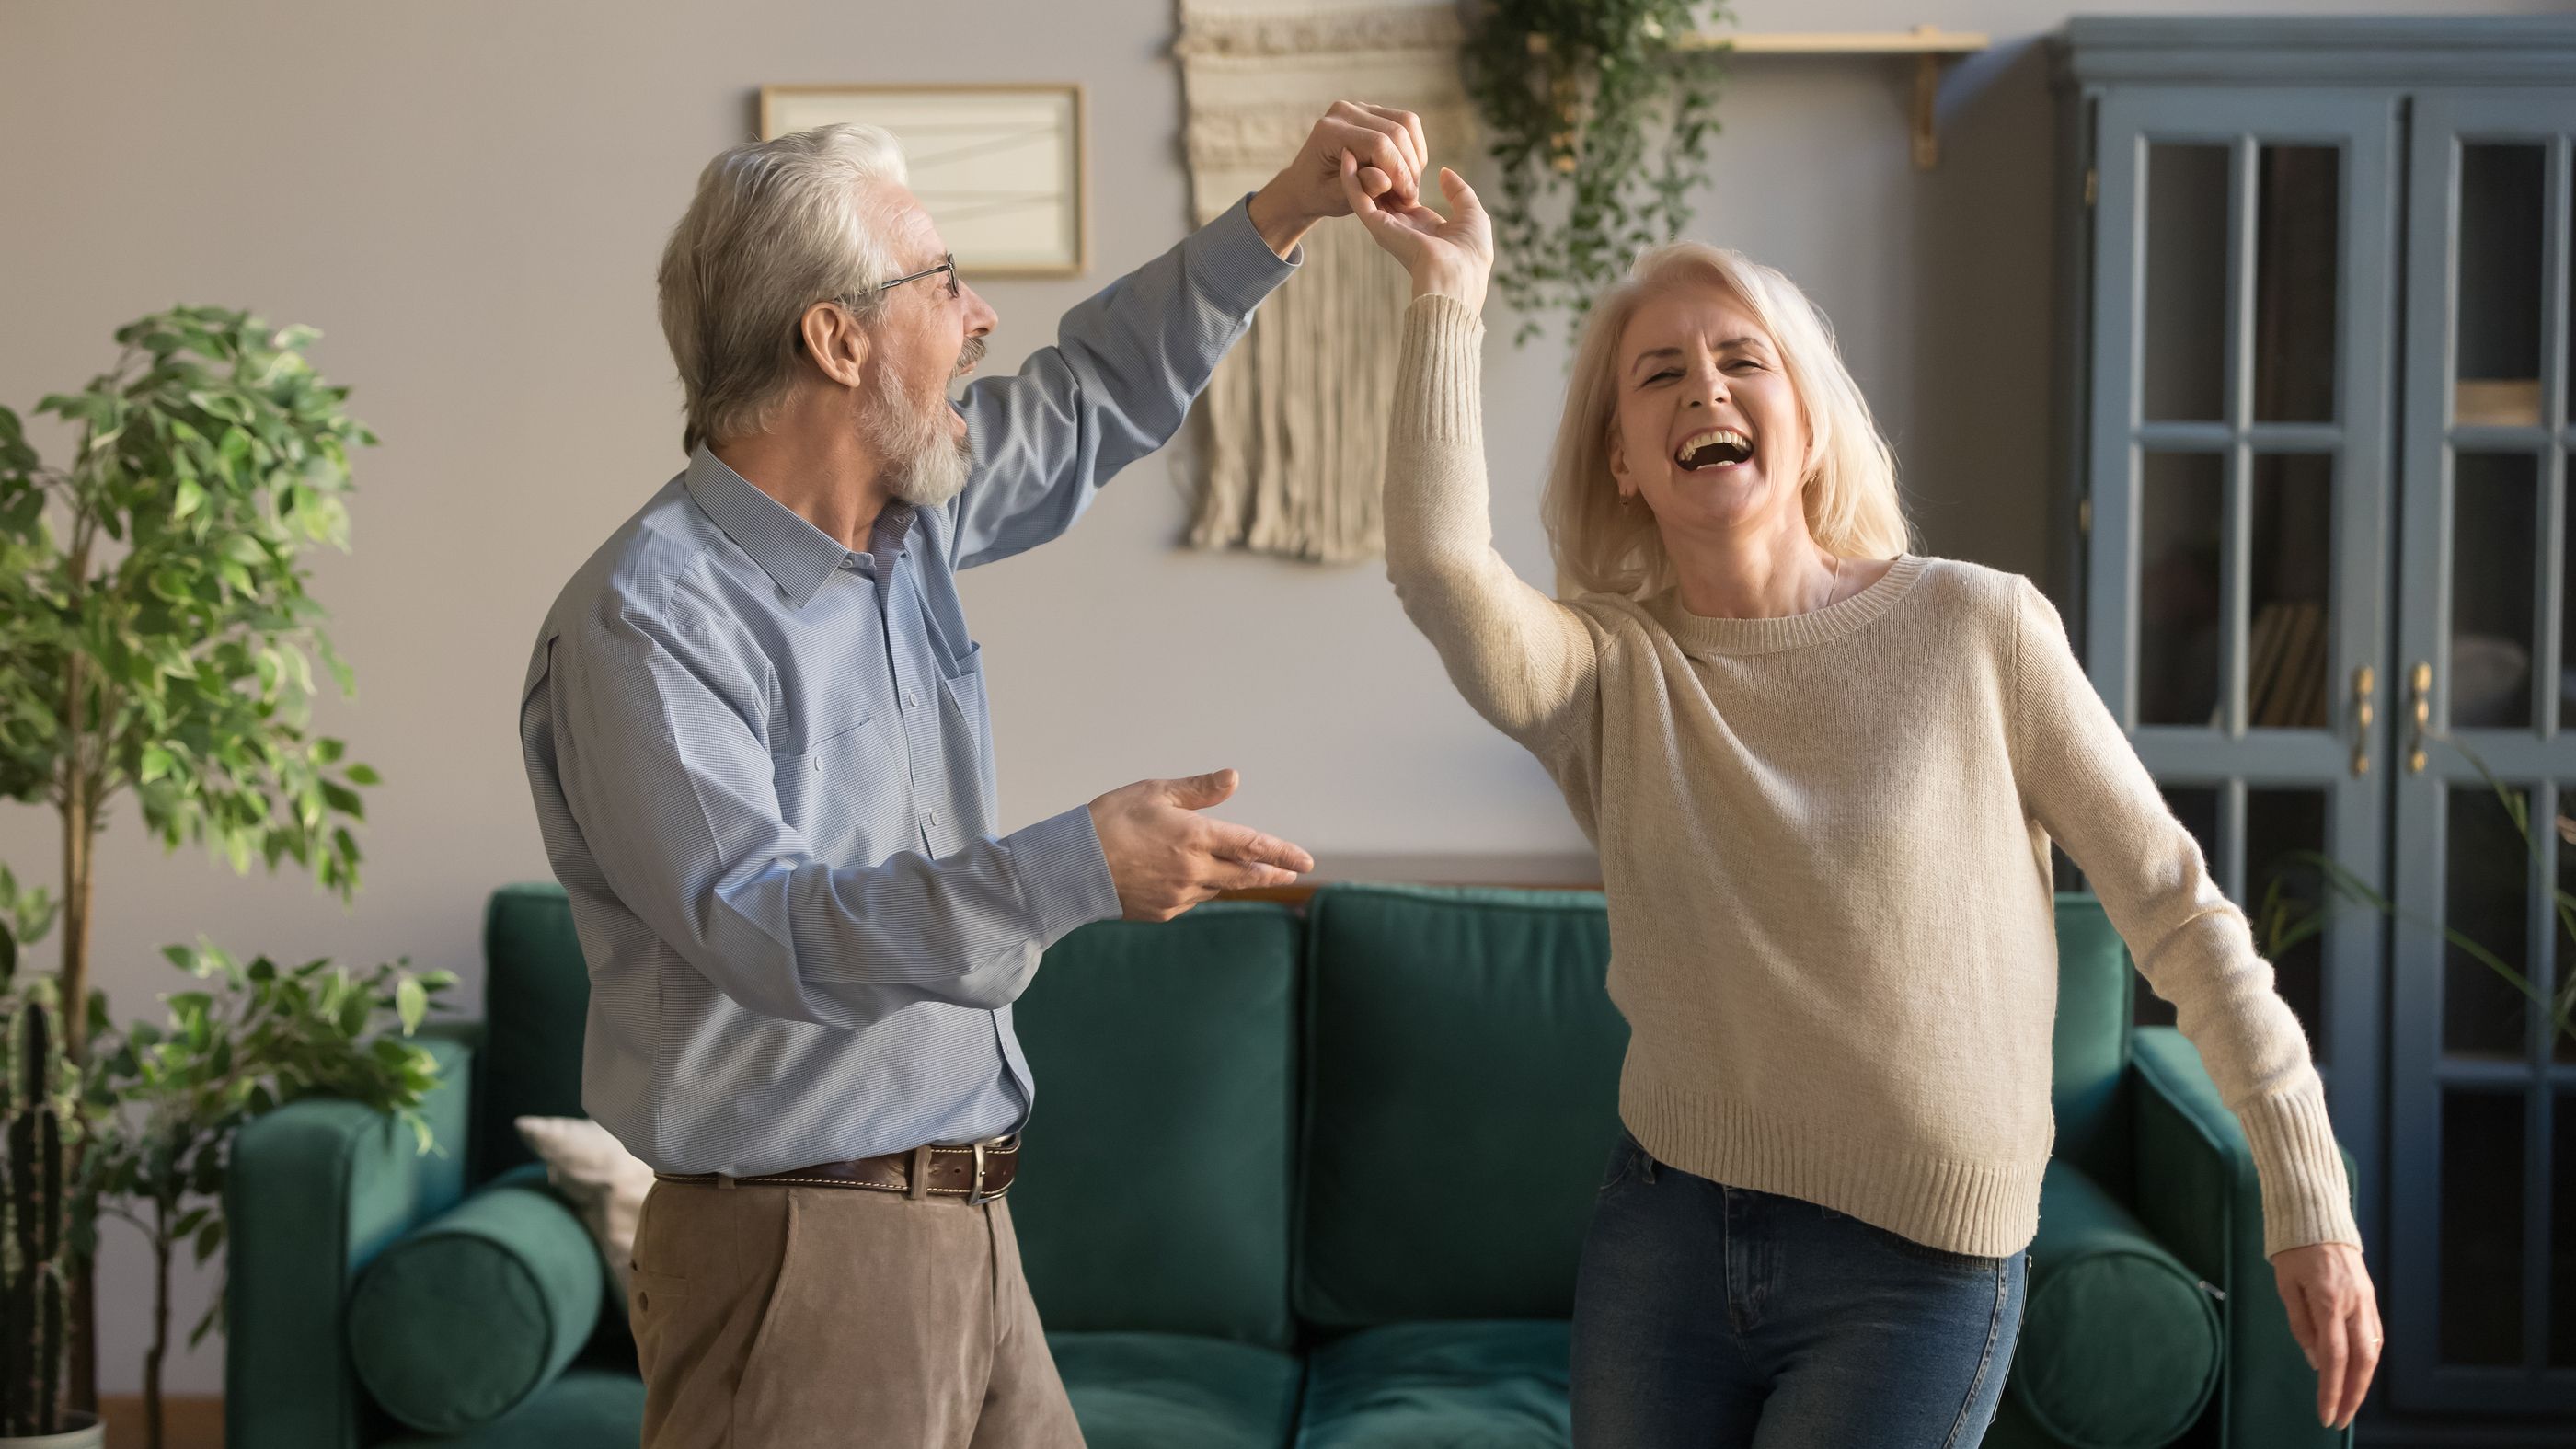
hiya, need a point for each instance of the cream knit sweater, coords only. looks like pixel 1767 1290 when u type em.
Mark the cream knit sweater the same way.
pixel 1825 841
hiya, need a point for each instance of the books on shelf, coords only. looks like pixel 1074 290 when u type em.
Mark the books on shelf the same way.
pixel 2285 666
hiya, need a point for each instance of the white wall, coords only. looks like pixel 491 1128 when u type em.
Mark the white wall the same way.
pixel 469 198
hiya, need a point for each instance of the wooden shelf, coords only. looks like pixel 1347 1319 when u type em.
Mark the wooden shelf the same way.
pixel 1930 46
pixel 1922 40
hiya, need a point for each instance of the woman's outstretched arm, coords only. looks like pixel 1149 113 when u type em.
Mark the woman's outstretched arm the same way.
pixel 2086 787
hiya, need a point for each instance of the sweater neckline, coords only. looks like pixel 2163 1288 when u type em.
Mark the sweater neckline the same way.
pixel 1700 635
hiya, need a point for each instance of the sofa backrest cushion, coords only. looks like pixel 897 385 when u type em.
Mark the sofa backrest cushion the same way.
pixel 2094 1024
pixel 536 1001
pixel 1154 1183
pixel 1462 1069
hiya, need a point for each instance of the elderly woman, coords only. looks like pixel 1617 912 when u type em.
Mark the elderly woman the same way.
pixel 1823 773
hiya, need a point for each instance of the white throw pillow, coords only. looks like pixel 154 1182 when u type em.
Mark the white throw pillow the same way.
pixel 603 1181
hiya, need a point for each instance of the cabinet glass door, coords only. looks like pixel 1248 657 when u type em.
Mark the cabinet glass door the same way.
pixel 2236 562
pixel 2482 1071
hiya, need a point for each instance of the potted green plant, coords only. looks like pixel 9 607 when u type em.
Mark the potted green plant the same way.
pixel 155 633
pixel 41 1120
pixel 1567 90
pixel 253 1037
pixel 2306 884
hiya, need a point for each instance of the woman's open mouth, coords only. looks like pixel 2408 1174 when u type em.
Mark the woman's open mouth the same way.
pixel 1713 448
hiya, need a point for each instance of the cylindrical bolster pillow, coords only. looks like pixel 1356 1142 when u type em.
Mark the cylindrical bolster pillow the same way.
pixel 2120 1343
pixel 469 1315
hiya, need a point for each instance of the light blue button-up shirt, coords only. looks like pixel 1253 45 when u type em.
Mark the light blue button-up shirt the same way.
pixel 764 770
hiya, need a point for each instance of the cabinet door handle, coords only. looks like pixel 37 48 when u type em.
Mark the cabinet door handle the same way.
pixel 2365 684
pixel 2422 683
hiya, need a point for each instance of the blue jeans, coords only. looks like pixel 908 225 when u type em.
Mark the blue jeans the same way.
pixel 1714 1317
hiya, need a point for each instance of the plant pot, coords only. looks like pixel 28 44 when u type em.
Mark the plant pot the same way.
pixel 86 1433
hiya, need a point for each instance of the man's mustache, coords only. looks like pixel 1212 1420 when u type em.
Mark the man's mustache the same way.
pixel 969 355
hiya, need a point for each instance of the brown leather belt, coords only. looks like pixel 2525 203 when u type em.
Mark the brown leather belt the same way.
pixel 978 1173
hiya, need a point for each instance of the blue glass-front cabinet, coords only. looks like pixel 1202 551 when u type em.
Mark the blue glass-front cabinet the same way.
pixel 2322 547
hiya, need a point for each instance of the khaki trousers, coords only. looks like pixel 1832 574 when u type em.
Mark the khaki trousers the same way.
pixel 783 1317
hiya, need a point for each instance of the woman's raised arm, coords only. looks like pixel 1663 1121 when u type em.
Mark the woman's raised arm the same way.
pixel 1526 662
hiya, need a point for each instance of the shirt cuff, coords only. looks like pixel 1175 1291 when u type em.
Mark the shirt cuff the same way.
pixel 1064 876
pixel 1229 258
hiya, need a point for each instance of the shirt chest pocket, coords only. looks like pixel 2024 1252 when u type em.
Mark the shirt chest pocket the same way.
pixel 965 691
pixel 842 786
pixel 966 725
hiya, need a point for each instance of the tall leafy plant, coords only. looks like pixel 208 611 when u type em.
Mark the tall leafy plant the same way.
pixel 1569 91
pixel 247 1039
pixel 155 633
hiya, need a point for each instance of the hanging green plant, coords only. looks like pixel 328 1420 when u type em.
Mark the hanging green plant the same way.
pixel 1568 89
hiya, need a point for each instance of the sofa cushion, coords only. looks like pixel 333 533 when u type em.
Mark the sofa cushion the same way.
pixel 1153 1188
pixel 1176 1391
pixel 468 1316
pixel 1439 1386
pixel 536 999
pixel 585 1409
pixel 2119 1343
pixel 1462 1070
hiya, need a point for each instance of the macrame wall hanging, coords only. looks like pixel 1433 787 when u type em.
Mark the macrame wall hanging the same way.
pixel 1292 430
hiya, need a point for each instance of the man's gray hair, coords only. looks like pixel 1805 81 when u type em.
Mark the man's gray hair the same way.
pixel 776 226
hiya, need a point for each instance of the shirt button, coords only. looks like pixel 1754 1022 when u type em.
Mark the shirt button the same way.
pixel 930 815
pixel 911 700
pixel 818 767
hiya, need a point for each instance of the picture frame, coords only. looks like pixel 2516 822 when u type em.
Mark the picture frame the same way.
pixel 1000 167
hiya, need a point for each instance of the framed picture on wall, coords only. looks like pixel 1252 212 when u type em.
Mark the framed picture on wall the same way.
pixel 999 167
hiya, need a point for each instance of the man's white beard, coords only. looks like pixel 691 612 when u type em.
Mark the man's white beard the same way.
pixel 925 466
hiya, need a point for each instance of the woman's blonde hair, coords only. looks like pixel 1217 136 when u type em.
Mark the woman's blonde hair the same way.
pixel 1603 546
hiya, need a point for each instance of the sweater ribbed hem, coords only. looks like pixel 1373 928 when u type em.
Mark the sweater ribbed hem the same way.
pixel 2306 1198
pixel 1984 1209
pixel 1698 634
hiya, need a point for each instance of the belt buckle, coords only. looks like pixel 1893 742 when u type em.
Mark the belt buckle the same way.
pixel 976 1195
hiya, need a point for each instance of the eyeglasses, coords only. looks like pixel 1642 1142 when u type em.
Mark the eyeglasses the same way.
pixel 947 263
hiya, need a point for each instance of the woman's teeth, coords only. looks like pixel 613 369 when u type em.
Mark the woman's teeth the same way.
pixel 1713 447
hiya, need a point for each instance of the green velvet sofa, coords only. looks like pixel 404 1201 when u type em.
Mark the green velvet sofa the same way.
pixel 1395 1106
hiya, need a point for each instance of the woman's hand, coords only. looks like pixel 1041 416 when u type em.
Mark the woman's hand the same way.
pixel 1449 257
pixel 2334 1314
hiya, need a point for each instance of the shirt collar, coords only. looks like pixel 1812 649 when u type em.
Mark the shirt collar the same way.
pixel 795 554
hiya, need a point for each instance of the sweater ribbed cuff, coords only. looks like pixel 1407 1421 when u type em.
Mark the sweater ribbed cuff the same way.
pixel 1440 372
pixel 2306 1198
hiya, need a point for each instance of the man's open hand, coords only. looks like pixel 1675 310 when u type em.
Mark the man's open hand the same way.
pixel 1165 858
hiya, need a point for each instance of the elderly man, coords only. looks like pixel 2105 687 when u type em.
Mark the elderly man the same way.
pixel 755 728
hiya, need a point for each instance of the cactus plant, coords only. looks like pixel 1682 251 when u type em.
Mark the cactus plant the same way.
pixel 38 1103
pixel 45 1222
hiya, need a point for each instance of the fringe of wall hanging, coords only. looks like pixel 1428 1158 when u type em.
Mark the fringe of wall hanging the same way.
pixel 1292 429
